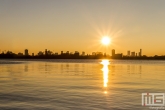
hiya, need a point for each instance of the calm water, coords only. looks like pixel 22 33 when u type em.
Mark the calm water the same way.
pixel 78 84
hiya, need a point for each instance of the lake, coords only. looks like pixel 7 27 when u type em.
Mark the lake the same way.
pixel 79 84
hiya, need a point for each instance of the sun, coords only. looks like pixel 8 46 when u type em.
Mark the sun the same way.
pixel 106 40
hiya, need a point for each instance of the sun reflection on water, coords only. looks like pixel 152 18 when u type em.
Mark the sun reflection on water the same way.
pixel 105 70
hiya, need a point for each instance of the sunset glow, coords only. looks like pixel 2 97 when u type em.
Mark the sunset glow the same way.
pixel 106 40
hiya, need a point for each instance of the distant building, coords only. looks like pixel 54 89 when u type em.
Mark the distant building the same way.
pixel 67 52
pixel 99 53
pixel 113 52
pixel 49 52
pixel 119 55
pixel 61 52
pixel 56 53
pixel 128 53
pixel 83 53
pixel 105 54
pixel 140 54
pixel 33 54
pixel 40 53
pixel 46 52
pixel 76 53
pixel 26 52
pixel 93 53
pixel 133 54
pixel 20 54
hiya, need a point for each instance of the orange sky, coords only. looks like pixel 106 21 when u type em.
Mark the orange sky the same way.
pixel 77 25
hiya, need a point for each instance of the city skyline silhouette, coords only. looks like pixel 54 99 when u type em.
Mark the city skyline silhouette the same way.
pixel 77 55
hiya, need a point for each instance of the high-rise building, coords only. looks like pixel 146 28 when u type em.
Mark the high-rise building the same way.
pixel 140 54
pixel 26 52
pixel 46 52
pixel 99 53
pixel 133 54
pixel 67 52
pixel 83 53
pixel 40 53
pixel 61 52
pixel 128 53
pixel 20 54
pixel 76 53
pixel 49 52
pixel 113 52
pixel 93 53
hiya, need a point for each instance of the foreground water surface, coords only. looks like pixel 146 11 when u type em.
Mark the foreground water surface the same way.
pixel 78 84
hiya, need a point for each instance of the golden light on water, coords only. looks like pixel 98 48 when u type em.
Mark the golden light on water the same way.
pixel 105 70
pixel 105 92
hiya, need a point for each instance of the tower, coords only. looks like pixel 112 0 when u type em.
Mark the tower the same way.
pixel 113 52
pixel 26 52
pixel 46 52
pixel 61 52
pixel 128 53
pixel 140 52
pixel 133 54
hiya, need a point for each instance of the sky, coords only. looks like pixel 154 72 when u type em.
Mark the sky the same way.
pixel 79 25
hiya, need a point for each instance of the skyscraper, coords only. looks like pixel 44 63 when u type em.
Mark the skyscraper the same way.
pixel 128 53
pixel 93 53
pixel 83 53
pixel 140 52
pixel 133 54
pixel 46 52
pixel 26 52
pixel 61 52
pixel 76 53
pixel 113 52
pixel 40 53
pixel 67 52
